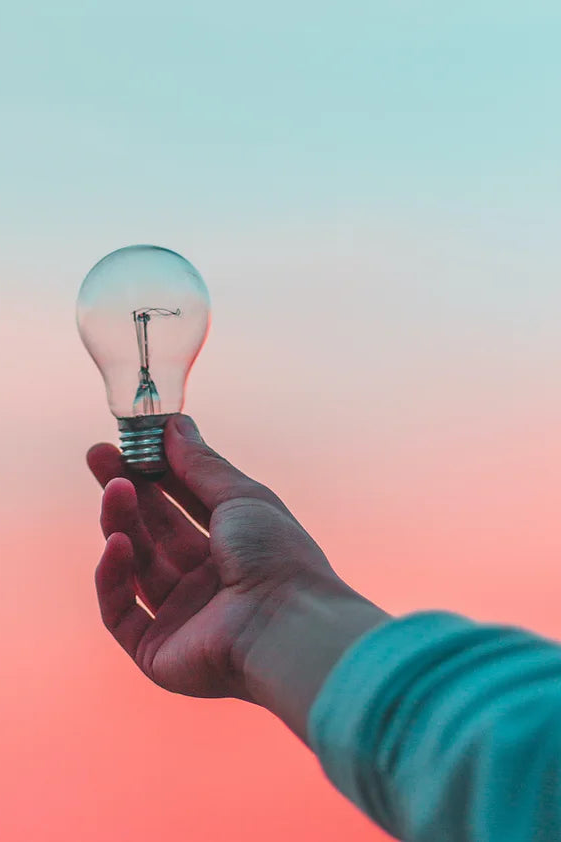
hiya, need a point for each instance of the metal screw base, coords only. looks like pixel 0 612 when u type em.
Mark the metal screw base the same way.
pixel 142 444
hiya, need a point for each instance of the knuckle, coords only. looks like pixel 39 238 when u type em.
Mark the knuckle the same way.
pixel 203 457
pixel 263 492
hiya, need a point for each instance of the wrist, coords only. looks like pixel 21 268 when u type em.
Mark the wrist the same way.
pixel 299 632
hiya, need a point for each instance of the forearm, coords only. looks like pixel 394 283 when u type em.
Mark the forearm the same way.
pixel 435 726
pixel 294 642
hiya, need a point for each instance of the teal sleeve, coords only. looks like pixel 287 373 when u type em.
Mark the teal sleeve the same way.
pixel 445 730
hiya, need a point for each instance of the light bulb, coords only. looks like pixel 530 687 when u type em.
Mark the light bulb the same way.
pixel 143 314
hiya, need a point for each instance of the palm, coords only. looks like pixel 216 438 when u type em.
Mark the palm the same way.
pixel 203 588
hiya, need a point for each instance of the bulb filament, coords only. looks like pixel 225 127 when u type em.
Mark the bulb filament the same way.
pixel 147 399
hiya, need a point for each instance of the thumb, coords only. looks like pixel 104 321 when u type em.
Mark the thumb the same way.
pixel 204 472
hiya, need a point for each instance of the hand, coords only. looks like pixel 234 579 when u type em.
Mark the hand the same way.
pixel 212 592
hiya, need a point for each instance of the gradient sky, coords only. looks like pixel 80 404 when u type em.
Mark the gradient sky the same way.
pixel 371 192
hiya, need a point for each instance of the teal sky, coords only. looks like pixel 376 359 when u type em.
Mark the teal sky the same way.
pixel 225 113
pixel 383 177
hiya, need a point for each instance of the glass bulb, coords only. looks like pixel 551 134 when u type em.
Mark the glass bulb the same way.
pixel 143 314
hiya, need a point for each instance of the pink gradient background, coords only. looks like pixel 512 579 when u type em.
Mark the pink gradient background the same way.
pixel 407 413
pixel 371 192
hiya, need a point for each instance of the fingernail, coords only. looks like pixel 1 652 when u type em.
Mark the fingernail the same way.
pixel 186 427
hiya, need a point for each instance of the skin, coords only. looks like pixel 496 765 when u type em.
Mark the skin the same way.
pixel 243 602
